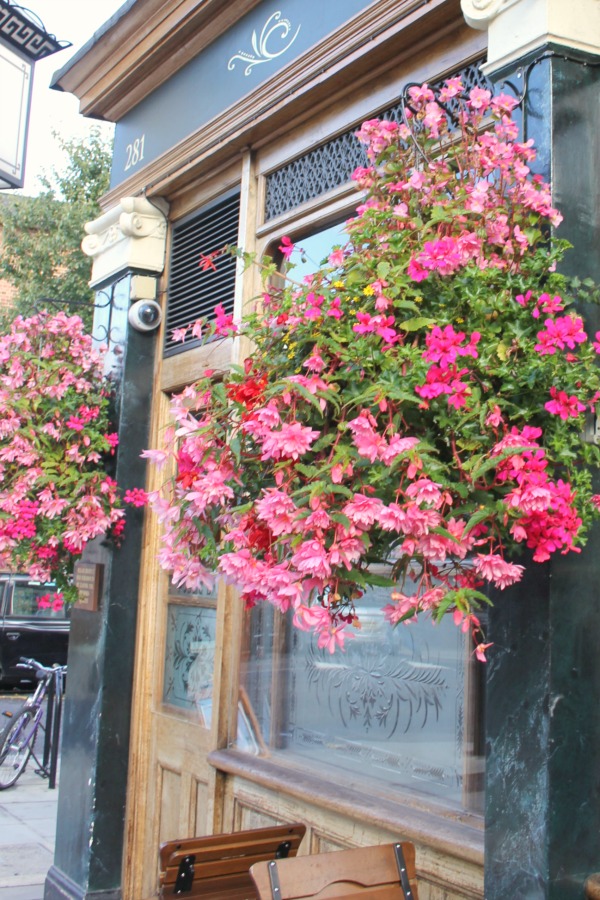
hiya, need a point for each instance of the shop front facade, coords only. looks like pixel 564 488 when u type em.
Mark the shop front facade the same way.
pixel 235 126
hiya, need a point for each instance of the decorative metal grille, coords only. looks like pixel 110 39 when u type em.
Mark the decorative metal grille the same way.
pixel 332 164
pixel 193 290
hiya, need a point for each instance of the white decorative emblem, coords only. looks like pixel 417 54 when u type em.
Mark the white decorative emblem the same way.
pixel 274 27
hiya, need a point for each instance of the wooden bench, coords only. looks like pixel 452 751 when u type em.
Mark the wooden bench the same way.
pixel 386 872
pixel 217 866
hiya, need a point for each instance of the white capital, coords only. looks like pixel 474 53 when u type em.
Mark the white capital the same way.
pixel 519 27
pixel 130 237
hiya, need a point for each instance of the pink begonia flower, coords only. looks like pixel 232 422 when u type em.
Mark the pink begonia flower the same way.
pixel 315 362
pixel 363 511
pixel 157 457
pixel 339 471
pixel 278 510
pixel 452 87
pixel 318 619
pixel 346 551
pixel 396 447
pixel 426 491
pixel 494 418
pixel 336 258
pixel 402 605
pixel 479 99
pixel 291 441
pixel 179 334
pixel 465 621
pixel 493 568
pixel 377 134
pixel 311 557
pixel 504 103
pixel 479 651
pixel 421 94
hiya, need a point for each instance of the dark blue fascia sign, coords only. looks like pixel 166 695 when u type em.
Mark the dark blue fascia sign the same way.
pixel 262 42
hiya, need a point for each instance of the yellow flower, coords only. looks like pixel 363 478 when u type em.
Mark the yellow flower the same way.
pixel 339 284
pixel 368 291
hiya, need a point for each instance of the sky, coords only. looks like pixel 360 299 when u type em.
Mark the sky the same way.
pixel 68 20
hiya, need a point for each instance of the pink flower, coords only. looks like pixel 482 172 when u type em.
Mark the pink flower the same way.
pixel 286 247
pixel 136 496
pixel 363 511
pixel 224 324
pixel 479 99
pixel 291 441
pixel 311 558
pixel 564 331
pixel 315 362
pixel 495 569
pixel 494 418
pixel 479 651
pixel 179 334
pixel 564 405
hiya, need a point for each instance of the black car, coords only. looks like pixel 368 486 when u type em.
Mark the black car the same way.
pixel 33 623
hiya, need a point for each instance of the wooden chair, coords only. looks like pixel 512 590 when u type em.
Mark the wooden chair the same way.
pixel 217 866
pixel 366 873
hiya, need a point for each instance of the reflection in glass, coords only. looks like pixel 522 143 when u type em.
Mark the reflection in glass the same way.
pixel 310 251
pixel 397 708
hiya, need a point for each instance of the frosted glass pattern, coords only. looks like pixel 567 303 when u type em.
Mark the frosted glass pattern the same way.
pixel 391 707
pixel 189 659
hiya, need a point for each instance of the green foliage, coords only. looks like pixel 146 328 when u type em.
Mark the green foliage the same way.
pixel 41 236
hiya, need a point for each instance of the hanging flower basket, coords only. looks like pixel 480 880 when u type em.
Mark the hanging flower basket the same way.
pixel 418 403
pixel 54 439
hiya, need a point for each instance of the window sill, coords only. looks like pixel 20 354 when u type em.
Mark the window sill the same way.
pixel 449 831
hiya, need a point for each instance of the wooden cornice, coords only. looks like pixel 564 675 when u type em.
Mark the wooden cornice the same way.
pixel 387 31
pixel 143 49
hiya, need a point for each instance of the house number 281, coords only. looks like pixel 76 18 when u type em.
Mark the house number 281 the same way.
pixel 135 152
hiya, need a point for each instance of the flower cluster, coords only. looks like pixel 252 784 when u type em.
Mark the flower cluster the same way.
pixel 54 435
pixel 411 414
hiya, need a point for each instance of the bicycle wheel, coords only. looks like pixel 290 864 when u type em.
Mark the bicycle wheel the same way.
pixel 16 746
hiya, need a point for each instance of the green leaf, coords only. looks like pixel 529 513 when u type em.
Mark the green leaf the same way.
pixel 476 518
pixel 416 324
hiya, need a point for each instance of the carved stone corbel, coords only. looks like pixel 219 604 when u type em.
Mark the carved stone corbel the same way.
pixel 130 237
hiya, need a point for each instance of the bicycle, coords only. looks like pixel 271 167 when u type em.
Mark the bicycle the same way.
pixel 17 740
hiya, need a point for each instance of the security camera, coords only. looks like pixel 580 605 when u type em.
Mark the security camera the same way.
pixel 145 315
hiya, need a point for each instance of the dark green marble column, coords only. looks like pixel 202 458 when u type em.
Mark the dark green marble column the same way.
pixel 95 746
pixel 542 828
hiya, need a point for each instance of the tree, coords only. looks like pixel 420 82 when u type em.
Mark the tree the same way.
pixel 41 236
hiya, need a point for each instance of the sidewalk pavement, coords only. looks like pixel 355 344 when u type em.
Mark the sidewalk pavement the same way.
pixel 27 832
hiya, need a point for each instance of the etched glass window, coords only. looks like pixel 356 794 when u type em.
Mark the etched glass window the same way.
pixel 398 708
pixel 189 659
